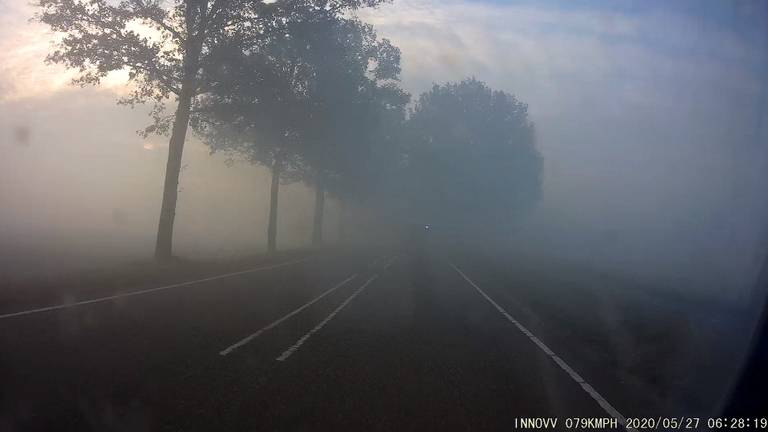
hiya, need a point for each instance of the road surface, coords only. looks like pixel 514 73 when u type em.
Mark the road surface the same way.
pixel 389 340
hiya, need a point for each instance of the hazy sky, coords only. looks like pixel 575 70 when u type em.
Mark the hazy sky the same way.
pixel 648 116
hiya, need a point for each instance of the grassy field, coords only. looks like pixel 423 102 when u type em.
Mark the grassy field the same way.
pixel 675 351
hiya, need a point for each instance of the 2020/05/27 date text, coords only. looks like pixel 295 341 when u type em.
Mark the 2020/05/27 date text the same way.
pixel 643 423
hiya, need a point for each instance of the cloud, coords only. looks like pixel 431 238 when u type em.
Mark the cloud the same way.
pixel 24 45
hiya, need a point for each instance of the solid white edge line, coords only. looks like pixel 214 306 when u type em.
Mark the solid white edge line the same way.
pixel 150 290
pixel 607 407
pixel 287 353
pixel 274 324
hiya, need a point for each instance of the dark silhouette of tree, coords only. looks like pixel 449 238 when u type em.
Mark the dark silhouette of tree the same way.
pixel 354 74
pixel 272 106
pixel 102 36
pixel 257 111
pixel 472 163
pixel 369 151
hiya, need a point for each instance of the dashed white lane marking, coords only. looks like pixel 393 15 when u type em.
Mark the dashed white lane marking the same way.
pixel 150 290
pixel 287 353
pixel 256 334
pixel 607 407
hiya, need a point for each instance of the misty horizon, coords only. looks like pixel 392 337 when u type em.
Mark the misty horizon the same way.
pixel 668 149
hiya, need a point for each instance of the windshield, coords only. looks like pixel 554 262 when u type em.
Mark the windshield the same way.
pixel 380 214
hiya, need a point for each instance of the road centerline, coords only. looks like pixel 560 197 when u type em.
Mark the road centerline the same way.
pixel 604 404
pixel 149 290
pixel 277 322
pixel 287 353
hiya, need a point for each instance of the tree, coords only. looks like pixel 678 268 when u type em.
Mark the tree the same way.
pixel 270 105
pixel 370 151
pixel 352 71
pixel 256 110
pixel 472 161
pixel 100 37
pixel 164 46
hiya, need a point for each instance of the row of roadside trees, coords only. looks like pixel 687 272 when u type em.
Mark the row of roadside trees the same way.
pixel 308 91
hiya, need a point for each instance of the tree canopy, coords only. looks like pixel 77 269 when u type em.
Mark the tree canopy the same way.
pixel 309 91
pixel 166 47
pixel 471 157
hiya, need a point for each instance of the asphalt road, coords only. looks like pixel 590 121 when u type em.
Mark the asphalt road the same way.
pixel 367 341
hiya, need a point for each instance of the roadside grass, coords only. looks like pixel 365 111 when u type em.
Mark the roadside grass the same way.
pixel 26 289
pixel 676 352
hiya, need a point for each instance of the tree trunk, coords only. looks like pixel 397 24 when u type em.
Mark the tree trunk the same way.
pixel 163 247
pixel 317 231
pixel 273 192
pixel 164 244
